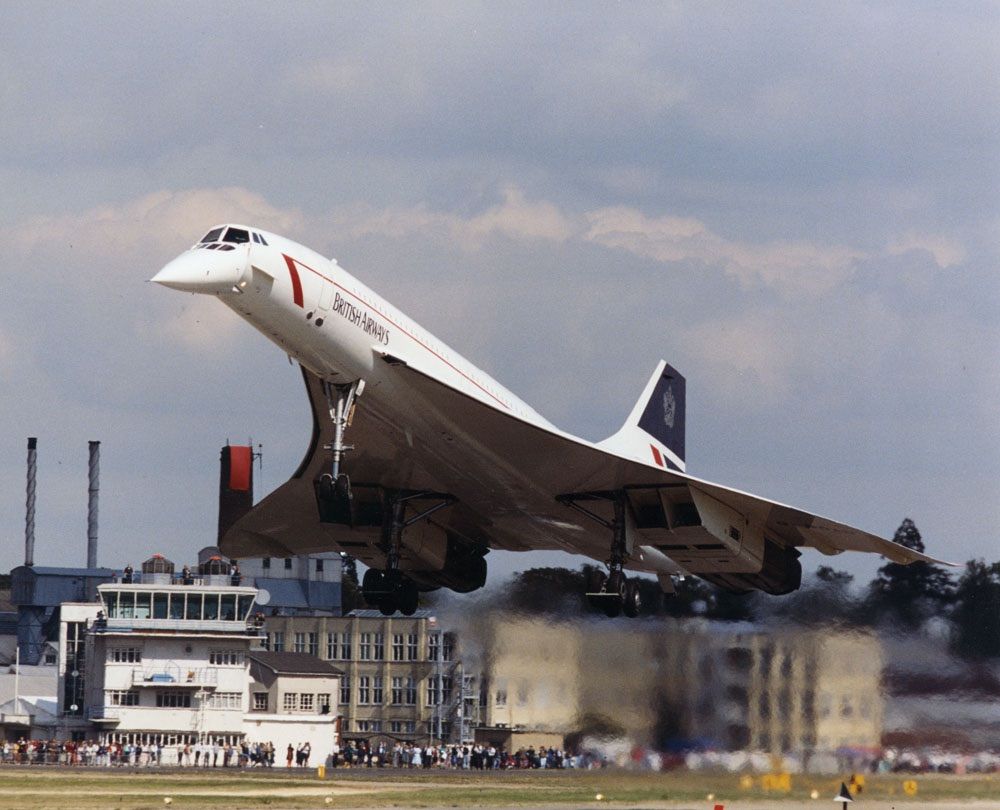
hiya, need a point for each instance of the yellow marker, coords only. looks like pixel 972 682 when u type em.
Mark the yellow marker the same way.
pixel 746 782
pixel 599 797
pixel 910 787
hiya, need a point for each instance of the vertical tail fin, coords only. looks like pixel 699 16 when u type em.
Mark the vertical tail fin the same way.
pixel 654 431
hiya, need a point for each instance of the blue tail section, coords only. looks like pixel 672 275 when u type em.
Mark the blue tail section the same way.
pixel 663 416
pixel 654 431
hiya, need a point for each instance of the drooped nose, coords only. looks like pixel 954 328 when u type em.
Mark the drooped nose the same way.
pixel 204 271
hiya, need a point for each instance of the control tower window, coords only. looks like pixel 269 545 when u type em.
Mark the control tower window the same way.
pixel 212 236
pixel 237 236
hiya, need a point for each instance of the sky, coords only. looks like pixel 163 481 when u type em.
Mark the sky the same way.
pixel 796 205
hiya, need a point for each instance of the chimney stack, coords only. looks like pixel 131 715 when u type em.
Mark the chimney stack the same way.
pixel 235 485
pixel 29 518
pixel 92 490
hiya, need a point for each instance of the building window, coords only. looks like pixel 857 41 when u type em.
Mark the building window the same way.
pixel 404 691
pixel 124 655
pixel 397 646
pixel 121 697
pixel 260 701
pixel 307 702
pixel 313 648
pixel 448 649
pixel 377 692
pixel 438 690
pixel 402 726
pixel 266 563
pixel 331 646
pixel 299 645
pixel 345 647
pixel 290 701
pixel 319 566
pixel 173 700
pixel 345 689
pixel 278 641
pixel 369 725
pixel 411 647
pixel 323 702
pixel 364 689
pixel 378 647
pixel 225 700
pixel 288 563
pixel 433 647
pixel 501 695
pixel 366 647
pixel 226 658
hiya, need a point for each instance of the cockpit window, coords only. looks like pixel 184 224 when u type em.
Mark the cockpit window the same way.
pixel 212 236
pixel 237 236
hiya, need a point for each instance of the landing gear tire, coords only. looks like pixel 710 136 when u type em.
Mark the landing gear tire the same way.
pixel 408 597
pixel 387 605
pixel 613 602
pixel 373 587
pixel 632 601
pixel 596 582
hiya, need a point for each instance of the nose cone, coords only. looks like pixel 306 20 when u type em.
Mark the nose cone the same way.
pixel 203 271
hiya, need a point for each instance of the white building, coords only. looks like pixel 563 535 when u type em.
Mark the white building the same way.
pixel 168 662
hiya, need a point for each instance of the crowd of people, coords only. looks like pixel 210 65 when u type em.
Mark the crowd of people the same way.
pixel 113 754
pixel 457 757
pixel 360 754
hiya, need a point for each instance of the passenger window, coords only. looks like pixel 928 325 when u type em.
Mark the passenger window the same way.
pixel 212 236
pixel 237 236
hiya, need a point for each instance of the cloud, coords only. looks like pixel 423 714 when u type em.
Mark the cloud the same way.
pixel 793 267
pixel 157 224
pixel 515 218
pixel 947 251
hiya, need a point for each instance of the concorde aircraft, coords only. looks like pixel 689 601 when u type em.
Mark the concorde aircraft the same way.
pixel 420 463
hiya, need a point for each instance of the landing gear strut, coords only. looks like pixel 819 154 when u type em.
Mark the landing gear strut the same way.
pixel 613 593
pixel 390 590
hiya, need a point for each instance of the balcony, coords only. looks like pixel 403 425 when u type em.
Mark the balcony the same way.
pixel 104 714
pixel 172 675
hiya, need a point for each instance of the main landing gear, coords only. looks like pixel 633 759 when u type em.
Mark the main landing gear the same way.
pixel 391 590
pixel 612 593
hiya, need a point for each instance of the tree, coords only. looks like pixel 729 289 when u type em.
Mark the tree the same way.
pixel 909 594
pixel 546 591
pixel 825 598
pixel 977 611
pixel 349 590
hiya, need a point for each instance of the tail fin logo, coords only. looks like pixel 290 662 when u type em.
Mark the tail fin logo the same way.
pixel 669 407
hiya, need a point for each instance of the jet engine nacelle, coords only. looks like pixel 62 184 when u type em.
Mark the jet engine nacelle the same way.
pixel 434 558
pixel 725 547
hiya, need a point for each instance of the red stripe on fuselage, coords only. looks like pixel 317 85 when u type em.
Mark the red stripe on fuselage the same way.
pixel 297 295
pixel 296 281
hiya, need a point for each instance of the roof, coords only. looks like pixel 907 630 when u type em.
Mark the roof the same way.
pixel 266 666
pixel 52 571
pixel 19 707
pixel 421 613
